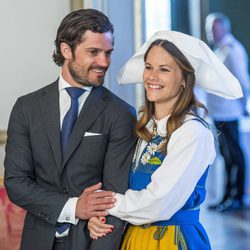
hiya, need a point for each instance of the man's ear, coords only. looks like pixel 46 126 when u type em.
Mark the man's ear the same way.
pixel 66 51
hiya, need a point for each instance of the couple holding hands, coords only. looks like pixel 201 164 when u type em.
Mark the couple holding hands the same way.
pixel 166 169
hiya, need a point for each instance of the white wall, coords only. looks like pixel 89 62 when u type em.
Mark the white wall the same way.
pixel 28 29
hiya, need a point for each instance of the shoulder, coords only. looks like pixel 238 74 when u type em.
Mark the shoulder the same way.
pixel 194 129
pixel 236 47
pixel 193 120
pixel 116 104
pixel 29 102
pixel 197 124
pixel 37 93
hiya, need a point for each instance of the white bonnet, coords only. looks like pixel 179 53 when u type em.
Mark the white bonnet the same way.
pixel 211 74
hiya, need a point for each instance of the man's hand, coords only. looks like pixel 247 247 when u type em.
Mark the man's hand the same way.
pixel 93 204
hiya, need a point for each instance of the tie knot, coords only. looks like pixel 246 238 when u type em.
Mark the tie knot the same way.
pixel 74 92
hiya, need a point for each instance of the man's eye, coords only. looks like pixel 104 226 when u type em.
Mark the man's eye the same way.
pixel 93 52
pixel 108 53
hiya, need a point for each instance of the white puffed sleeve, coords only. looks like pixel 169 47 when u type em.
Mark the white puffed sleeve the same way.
pixel 190 151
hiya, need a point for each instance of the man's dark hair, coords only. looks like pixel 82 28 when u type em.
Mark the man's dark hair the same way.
pixel 74 25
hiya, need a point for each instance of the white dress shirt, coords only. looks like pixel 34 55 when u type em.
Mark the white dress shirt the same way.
pixel 68 212
pixel 190 151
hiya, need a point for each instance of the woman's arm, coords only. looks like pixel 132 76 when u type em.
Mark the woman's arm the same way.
pixel 190 151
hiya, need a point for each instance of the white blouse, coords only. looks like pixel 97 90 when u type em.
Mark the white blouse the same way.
pixel 190 151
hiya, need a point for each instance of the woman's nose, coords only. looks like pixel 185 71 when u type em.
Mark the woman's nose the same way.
pixel 153 75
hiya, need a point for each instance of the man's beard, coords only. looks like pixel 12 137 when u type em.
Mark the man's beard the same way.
pixel 82 78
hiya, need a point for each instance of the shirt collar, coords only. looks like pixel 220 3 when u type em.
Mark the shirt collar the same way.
pixel 161 124
pixel 64 84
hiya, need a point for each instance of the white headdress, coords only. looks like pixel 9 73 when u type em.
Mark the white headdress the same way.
pixel 211 74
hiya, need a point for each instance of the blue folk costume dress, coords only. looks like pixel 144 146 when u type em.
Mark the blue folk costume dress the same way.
pixel 180 232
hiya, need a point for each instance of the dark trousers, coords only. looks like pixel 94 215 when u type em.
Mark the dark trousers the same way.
pixel 233 157
pixel 59 243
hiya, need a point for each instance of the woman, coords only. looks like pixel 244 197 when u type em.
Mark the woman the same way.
pixel 175 146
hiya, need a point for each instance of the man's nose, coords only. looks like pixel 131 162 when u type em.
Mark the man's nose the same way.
pixel 103 60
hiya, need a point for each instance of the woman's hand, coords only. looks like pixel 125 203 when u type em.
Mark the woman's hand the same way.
pixel 98 228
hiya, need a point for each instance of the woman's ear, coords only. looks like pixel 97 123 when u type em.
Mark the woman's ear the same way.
pixel 66 51
pixel 183 83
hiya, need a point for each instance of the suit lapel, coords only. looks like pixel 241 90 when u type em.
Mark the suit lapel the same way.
pixel 49 104
pixel 94 105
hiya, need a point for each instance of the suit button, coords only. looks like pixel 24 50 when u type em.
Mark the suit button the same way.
pixel 65 191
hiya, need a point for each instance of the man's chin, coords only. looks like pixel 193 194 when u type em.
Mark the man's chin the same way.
pixel 97 82
pixel 91 83
pixel 94 84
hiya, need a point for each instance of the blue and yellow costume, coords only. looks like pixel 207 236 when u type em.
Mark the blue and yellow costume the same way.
pixel 183 230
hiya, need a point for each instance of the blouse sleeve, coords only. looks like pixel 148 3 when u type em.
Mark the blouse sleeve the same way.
pixel 190 151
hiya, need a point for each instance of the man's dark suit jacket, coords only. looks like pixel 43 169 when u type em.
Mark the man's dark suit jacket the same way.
pixel 38 180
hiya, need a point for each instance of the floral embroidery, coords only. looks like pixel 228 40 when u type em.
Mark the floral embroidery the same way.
pixel 152 148
pixel 161 143
pixel 145 158
pixel 149 155
pixel 154 161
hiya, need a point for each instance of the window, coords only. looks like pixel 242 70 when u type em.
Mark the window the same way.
pixel 157 16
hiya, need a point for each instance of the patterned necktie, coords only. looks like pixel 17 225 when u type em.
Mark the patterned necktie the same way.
pixel 67 126
pixel 71 116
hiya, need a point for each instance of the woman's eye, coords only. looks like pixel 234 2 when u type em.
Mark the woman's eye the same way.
pixel 164 70
pixel 147 67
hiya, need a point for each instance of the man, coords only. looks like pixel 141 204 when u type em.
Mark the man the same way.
pixel 226 113
pixel 52 158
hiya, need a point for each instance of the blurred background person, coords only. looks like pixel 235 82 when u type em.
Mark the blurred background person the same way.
pixel 226 113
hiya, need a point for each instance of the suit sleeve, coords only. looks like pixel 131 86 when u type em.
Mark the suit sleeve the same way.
pixel 23 188
pixel 116 173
